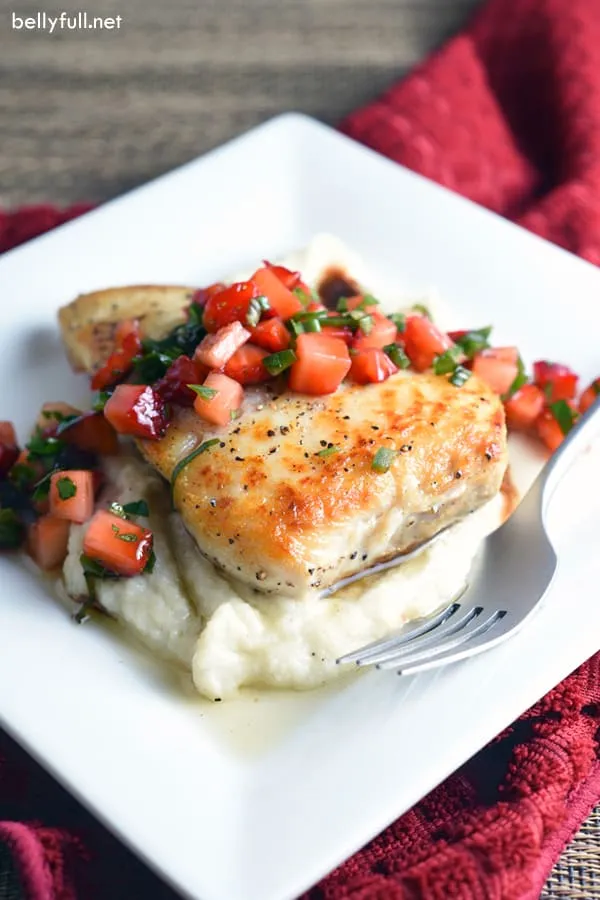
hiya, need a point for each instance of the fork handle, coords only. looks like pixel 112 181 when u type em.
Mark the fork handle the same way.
pixel 562 459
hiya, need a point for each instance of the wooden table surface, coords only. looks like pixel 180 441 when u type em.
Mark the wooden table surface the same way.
pixel 86 115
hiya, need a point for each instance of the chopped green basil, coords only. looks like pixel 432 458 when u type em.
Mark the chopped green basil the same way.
pixel 473 341
pixel 128 536
pixel 311 325
pixel 445 362
pixel 12 530
pixel 563 414
pixel 136 508
pixel 397 355
pixel 422 310
pixel 520 380
pixel 207 393
pixel 99 402
pixel 21 475
pixel 399 320
pixel 117 510
pixel 383 459
pixel 256 307
pixel 368 300
pixel 58 416
pixel 151 366
pixel 40 445
pixel 329 451
pixel 66 488
pixel 342 305
pixel 279 362
pixel 149 567
pixel 460 376
pixel 202 448
pixel 93 567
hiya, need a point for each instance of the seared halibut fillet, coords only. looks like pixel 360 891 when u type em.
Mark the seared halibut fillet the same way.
pixel 88 324
pixel 269 507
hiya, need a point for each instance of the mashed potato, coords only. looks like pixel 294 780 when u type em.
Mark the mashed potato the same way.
pixel 229 636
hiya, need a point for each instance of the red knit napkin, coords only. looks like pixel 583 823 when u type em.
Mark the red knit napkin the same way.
pixel 507 113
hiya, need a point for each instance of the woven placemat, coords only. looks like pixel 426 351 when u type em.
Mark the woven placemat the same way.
pixel 576 876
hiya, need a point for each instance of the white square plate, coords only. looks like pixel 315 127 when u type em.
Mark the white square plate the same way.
pixel 195 789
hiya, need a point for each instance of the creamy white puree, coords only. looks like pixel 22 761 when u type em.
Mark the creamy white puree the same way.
pixel 230 637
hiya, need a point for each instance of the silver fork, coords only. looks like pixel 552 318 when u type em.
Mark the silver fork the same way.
pixel 488 611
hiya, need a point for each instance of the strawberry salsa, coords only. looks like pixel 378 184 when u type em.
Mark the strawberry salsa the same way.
pixel 271 326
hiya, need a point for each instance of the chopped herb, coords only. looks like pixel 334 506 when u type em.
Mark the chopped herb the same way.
pixel 194 313
pixel 474 341
pixel 235 414
pixel 99 402
pixel 256 307
pixel 460 376
pixel 294 327
pixel 136 508
pixel 365 324
pixel 22 475
pixel 310 314
pixel 202 448
pixel 207 393
pixel 42 488
pixel 66 488
pixel 445 362
pixel 563 414
pixel 58 416
pixel 117 510
pixel 397 355
pixel 520 380
pixel 128 536
pixel 40 445
pixel 383 459
pixel 302 296
pixel 344 321
pixel 311 325
pixel 149 567
pixel 12 530
pixel 279 362
pixel 342 305
pixel 422 310
pixel 93 567
pixel 82 612
pixel 368 300
pixel 329 451
pixel 399 320
pixel 151 366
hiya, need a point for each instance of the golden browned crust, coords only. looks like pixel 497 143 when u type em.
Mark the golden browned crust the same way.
pixel 88 323
pixel 264 503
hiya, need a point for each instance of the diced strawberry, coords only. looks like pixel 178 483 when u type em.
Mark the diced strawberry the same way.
pixel 246 365
pixel 524 407
pixel 281 299
pixel 322 364
pixel 173 386
pixel 228 399
pixel 72 495
pixel 201 297
pixel 423 341
pixel 215 350
pixel 138 410
pixel 271 335
pixel 557 381
pixel 229 305
pixel 119 545
pixel 589 396
pixel 381 334
pixel 9 450
pixel 498 367
pixel 91 432
pixel 47 541
pixel 371 365
pixel 128 345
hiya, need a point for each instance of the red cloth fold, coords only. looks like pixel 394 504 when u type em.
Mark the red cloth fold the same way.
pixel 508 114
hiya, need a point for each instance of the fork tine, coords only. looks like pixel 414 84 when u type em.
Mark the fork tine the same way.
pixel 412 631
pixel 477 626
pixel 461 620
